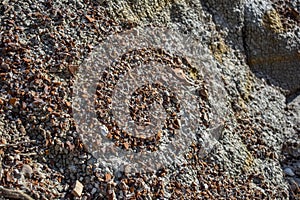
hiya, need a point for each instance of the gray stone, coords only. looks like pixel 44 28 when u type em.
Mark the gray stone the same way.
pixel 289 172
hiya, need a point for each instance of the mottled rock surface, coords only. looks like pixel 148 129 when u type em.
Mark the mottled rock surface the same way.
pixel 272 42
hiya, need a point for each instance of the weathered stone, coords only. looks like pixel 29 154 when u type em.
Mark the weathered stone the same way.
pixel 272 51
pixel 77 191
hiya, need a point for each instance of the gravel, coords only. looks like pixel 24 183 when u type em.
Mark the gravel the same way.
pixel 44 43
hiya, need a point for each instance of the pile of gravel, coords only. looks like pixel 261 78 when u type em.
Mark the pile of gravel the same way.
pixel 44 43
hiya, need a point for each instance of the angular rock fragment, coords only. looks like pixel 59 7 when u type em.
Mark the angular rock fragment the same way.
pixel 77 191
pixel 27 170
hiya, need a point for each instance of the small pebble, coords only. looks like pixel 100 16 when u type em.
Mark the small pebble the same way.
pixel 289 172
pixel 104 130
pixel 4 67
pixel 77 191
pixel 94 190
pixel 17 157
pixel 27 170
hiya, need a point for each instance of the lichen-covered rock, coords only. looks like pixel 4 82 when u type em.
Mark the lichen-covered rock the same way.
pixel 272 48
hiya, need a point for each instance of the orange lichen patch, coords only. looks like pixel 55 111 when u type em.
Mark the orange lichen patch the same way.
pixel 247 88
pixel 249 162
pixel 271 20
pixel 218 49
pixel 289 15
pixel 136 11
pixel 193 74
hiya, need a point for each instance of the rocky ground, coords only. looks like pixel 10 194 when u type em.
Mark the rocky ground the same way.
pixel 255 45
